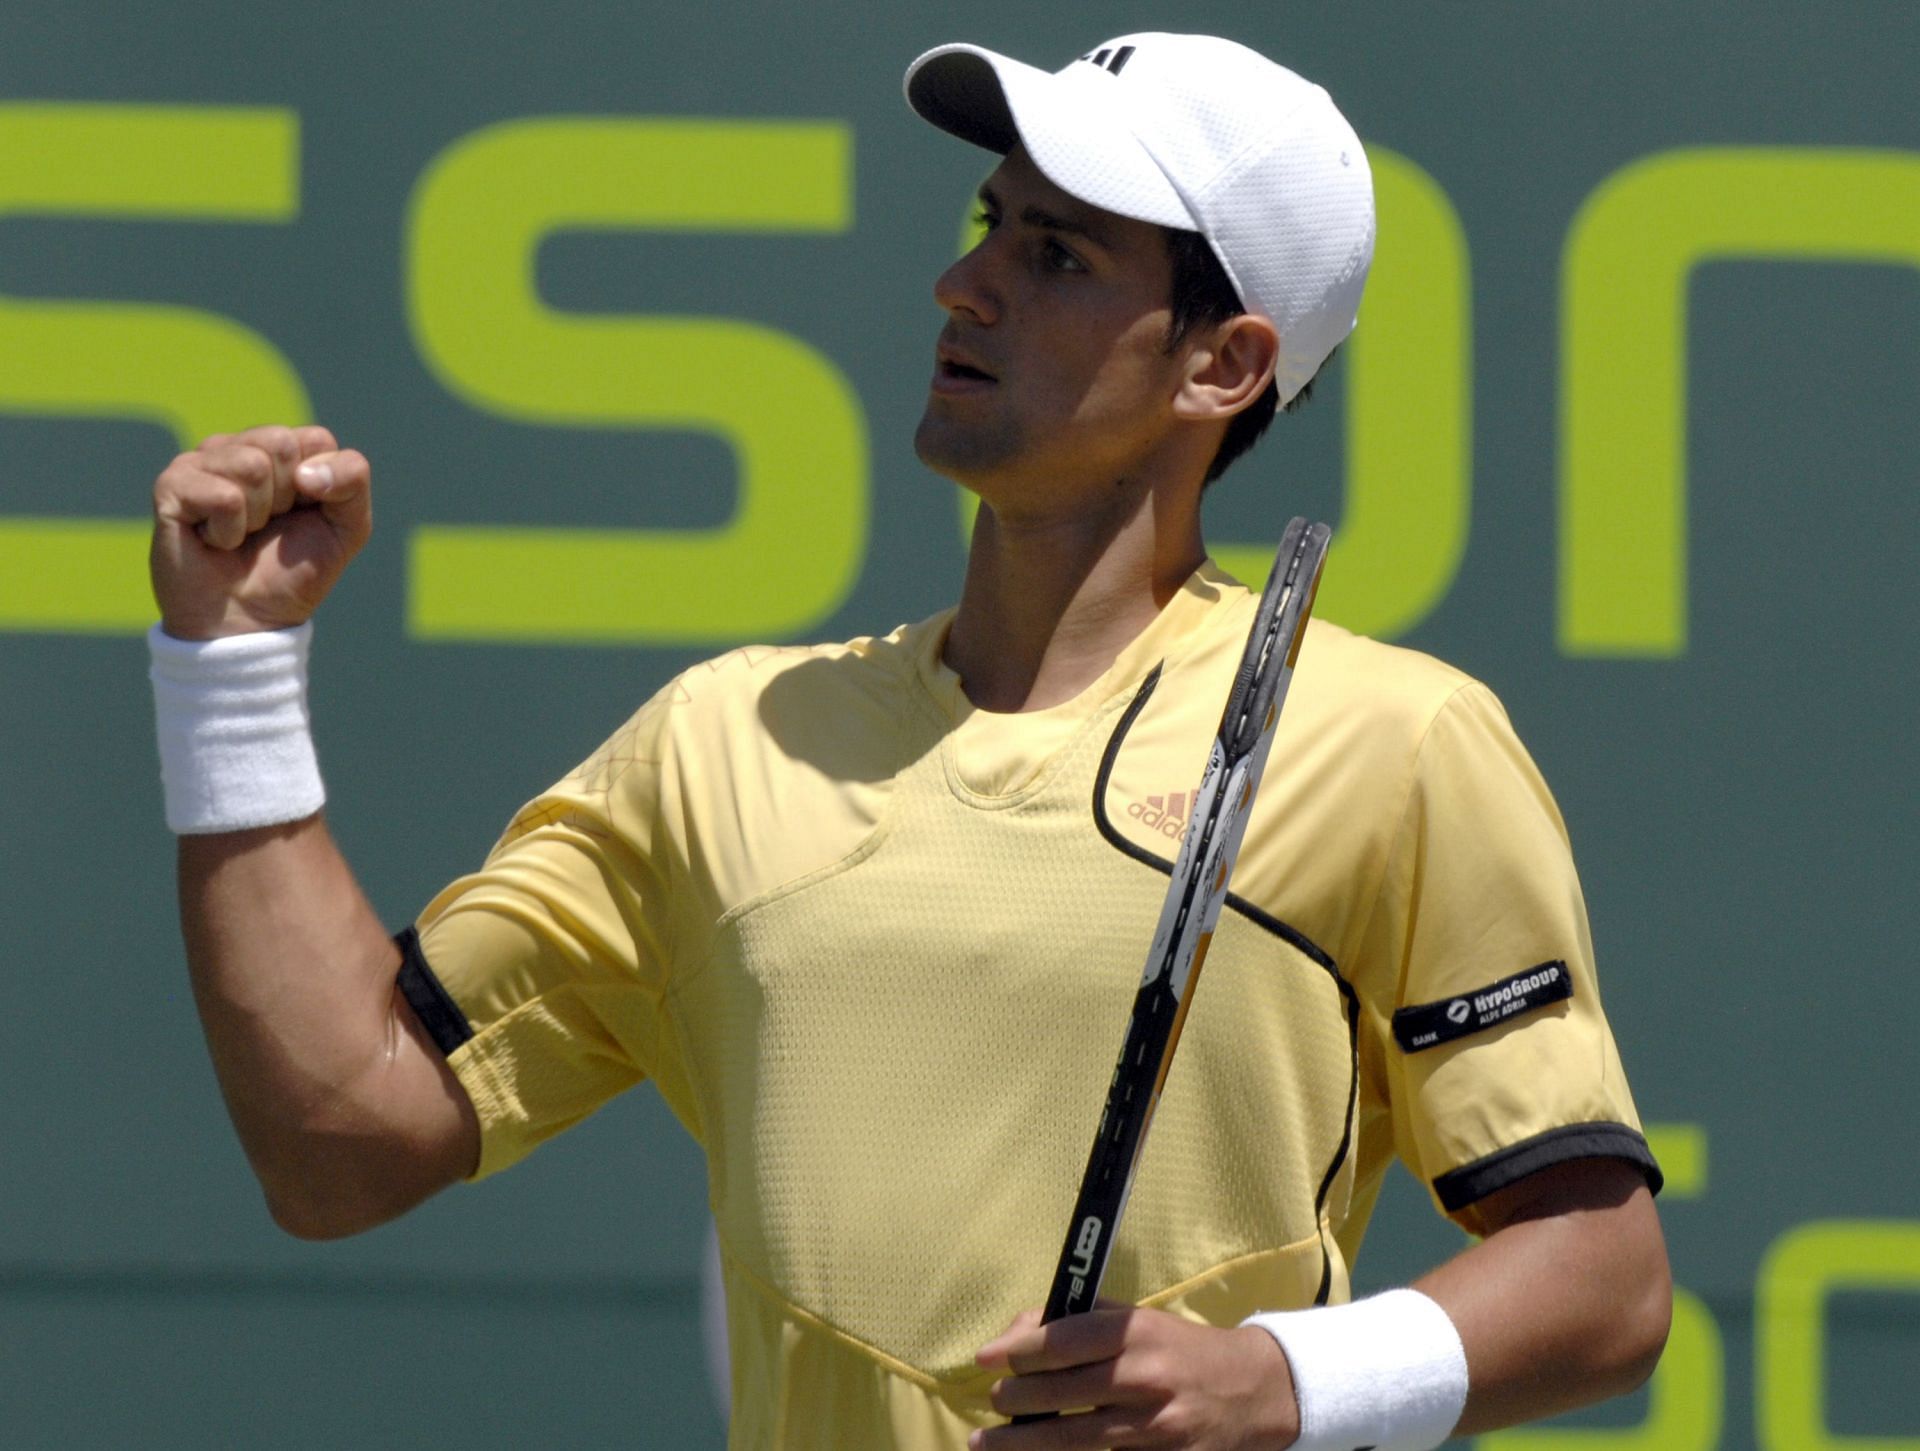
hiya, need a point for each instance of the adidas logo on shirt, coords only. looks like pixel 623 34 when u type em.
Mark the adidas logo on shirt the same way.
pixel 1164 814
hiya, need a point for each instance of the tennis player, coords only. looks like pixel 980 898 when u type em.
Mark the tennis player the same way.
pixel 870 915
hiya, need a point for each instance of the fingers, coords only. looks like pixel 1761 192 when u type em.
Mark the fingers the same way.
pixel 993 1355
pixel 1113 1375
pixel 1099 1384
pixel 256 468
pixel 1069 1365
pixel 341 483
pixel 194 497
pixel 1104 1429
pixel 314 439
pixel 264 479
pixel 1026 1346
pixel 233 485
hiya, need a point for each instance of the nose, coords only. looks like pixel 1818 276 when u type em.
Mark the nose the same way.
pixel 968 288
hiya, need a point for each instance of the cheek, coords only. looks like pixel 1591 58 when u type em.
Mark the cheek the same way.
pixel 1134 381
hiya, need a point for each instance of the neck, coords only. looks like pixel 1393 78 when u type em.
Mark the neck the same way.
pixel 1050 603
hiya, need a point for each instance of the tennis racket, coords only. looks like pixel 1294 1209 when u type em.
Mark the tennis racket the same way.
pixel 1198 887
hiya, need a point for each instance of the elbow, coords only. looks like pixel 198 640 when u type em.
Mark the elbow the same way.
pixel 319 1188
pixel 1644 1330
pixel 357 1161
pixel 314 1220
pixel 314 1213
pixel 1624 1342
pixel 1634 1296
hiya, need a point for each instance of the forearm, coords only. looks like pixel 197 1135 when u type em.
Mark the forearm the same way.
pixel 1566 1303
pixel 348 1114
pixel 342 1108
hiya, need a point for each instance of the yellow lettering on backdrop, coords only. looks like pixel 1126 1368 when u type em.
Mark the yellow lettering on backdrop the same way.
pixel 1686 1400
pixel 192 373
pixel 1798 1272
pixel 1623 350
pixel 1409 420
pixel 792 551
pixel 1681 1152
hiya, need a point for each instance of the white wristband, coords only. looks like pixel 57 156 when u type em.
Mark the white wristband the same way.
pixel 1386 1372
pixel 231 716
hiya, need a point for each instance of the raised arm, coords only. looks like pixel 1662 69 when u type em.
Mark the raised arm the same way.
pixel 347 1112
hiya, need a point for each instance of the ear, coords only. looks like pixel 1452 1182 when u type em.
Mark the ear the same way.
pixel 1228 370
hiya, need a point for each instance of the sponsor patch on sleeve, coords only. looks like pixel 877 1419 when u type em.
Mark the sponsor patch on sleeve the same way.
pixel 1428 1025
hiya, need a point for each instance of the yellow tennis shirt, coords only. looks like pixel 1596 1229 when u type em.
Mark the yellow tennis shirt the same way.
pixel 877 949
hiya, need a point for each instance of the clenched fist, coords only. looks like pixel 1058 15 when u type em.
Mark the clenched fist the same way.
pixel 251 530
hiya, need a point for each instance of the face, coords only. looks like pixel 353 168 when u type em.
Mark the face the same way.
pixel 1051 378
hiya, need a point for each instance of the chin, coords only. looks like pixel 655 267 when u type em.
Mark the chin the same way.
pixel 958 453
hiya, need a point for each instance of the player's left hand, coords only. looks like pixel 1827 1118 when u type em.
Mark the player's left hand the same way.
pixel 1129 1377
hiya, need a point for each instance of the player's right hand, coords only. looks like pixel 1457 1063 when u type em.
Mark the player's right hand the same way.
pixel 250 530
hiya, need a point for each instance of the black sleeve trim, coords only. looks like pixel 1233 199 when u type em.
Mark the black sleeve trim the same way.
pixel 1470 1183
pixel 432 1004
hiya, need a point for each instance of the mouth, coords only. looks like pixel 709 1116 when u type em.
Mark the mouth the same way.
pixel 956 372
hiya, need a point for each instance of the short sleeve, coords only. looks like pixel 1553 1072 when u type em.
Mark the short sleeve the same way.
pixel 1494 1054
pixel 557 950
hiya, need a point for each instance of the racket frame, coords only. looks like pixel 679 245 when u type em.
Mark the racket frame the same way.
pixel 1197 889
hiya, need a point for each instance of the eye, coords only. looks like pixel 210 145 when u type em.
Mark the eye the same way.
pixel 1059 258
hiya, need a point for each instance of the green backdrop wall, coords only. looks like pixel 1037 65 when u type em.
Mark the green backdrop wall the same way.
pixel 639 296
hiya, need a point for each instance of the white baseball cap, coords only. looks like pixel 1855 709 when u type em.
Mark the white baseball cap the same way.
pixel 1194 132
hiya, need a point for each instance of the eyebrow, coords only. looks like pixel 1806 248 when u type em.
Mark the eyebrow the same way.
pixel 1035 216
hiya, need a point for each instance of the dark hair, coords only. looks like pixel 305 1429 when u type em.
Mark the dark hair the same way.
pixel 1203 295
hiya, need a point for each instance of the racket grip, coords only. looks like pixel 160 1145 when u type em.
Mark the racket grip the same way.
pixel 1031 1416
